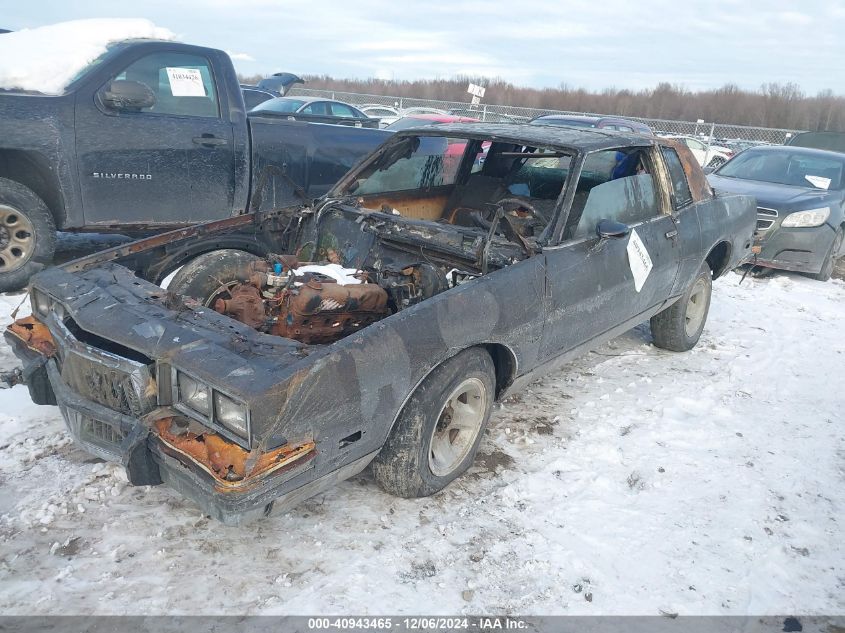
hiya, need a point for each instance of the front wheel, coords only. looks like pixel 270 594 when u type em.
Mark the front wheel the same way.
pixel 437 434
pixel 830 259
pixel 679 326
pixel 27 235
pixel 209 276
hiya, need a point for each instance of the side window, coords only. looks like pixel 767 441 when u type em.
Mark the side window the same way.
pixel 614 185
pixel 318 107
pixel 679 179
pixel 182 84
pixel 343 110
pixel 695 145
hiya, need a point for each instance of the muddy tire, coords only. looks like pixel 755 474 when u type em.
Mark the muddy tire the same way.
pixel 830 260
pixel 679 327
pixel 436 436
pixel 205 277
pixel 27 235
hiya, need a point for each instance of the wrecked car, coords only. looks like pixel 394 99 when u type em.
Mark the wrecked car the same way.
pixel 388 317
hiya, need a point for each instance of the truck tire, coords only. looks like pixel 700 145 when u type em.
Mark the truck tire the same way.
pixel 830 260
pixel 27 235
pixel 679 326
pixel 206 277
pixel 437 434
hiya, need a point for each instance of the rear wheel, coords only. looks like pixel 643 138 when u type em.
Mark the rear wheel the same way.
pixel 437 434
pixel 27 235
pixel 209 277
pixel 679 327
pixel 830 260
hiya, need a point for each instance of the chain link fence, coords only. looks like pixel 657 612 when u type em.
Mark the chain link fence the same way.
pixel 389 108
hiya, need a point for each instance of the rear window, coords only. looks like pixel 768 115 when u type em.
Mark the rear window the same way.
pixel 679 179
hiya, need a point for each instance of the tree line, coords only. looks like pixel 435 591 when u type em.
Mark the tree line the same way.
pixel 772 105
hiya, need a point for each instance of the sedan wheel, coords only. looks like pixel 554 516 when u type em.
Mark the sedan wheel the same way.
pixel 696 312
pixel 458 426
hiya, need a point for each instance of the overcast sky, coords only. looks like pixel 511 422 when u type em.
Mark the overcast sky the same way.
pixel 584 43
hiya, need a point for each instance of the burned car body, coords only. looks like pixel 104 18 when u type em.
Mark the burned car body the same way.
pixel 253 383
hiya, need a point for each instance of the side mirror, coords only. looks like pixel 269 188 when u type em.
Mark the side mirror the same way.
pixel 122 94
pixel 610 228
pixel 708 169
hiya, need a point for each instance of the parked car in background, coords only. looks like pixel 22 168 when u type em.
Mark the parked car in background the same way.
pixel 315 110
pixel 253 95
pixel 800 204
pixel 255 382
pixel 385 114
pixel 706 155
pixel 419 120
pixel 832 141
pixel 600 122
pixel 280 83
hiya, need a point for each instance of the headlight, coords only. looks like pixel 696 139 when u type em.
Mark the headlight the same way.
pixel 40 302
pixel 810 217
pixel 193 393
pixel 231 414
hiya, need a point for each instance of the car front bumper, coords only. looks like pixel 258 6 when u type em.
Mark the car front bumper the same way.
pixel 797 249
pixel 151 456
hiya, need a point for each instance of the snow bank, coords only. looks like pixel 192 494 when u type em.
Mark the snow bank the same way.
pixel 47 58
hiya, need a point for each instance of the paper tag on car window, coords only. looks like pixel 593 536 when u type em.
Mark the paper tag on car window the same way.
pixel 185 82
pixel 639 260
pixel 819 182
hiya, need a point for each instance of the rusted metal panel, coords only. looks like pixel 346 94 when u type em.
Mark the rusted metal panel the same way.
pixel 232 467
pixel 34 334
pixel 697 181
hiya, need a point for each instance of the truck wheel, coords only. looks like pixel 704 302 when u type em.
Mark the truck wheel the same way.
pixel 830 261
pixel 437 434
pixel 27 235
pixel 679 326
pixel 208 276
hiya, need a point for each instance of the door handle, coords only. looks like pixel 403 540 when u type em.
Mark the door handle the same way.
pixel 671 235
pixel 211 141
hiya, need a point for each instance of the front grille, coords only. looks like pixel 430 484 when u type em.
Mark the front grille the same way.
pixel 765 218
pixel 94 429
pixel 102 384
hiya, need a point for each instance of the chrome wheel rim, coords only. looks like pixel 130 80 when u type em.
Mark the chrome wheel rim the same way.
pixel 696 307
pixel 17 239
pixel 458 426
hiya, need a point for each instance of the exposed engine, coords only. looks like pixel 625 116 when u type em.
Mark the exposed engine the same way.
pixel 322 303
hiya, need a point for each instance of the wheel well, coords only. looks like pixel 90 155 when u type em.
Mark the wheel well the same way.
pixel 32 170
pixel 718 258
pixel 505 363
pixel 159 268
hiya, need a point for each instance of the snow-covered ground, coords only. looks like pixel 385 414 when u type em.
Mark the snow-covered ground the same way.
pixel 636 481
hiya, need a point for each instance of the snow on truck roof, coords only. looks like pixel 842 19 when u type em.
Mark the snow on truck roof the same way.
pixel 47 58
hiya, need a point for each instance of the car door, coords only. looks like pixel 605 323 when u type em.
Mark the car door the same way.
pixel 168 164
pixel 595 285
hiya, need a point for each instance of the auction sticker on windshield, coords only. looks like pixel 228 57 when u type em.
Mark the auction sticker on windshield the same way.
pixel 185 82
pixel 639 260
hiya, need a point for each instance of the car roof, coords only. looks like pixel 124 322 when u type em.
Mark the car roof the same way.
pixel 797 149
pixel 586 139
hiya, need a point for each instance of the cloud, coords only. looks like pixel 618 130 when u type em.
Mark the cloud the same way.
pixel 240 57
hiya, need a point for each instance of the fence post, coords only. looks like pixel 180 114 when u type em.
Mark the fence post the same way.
pixel 401 104
pixel 484 113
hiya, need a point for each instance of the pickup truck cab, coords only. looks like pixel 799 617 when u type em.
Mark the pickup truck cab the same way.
pixel 149 136
pixel 385 319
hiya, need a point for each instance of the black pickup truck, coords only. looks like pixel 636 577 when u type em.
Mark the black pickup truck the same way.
pixel 152 135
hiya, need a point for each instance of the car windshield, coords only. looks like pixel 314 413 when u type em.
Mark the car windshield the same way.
pixel 279 104
pixel 787 168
